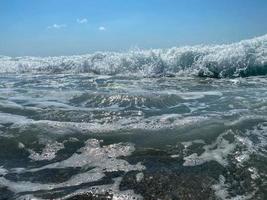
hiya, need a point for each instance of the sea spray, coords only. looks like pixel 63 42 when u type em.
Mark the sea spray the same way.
pixel 242 59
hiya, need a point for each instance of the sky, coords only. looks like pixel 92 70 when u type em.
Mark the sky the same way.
pixel 67 27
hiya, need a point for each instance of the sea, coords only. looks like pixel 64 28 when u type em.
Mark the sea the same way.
pixel 180 123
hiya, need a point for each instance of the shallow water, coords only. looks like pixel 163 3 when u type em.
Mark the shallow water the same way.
pixel 103 137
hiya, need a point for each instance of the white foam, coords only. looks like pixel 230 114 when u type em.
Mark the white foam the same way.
pixel 199 95
pixel 254 173
pixel 249 147
pixel 132 123
pixel 221 191
pixel 102 159
pixel 3 171
pixel 28 197
pixel 6 118
pixel 250 142
pixel 48 153
pixel 139 177
pixel 242 58
pixel 113 190
pixel 218 151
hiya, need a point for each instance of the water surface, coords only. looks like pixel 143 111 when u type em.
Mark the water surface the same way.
pixel 66 136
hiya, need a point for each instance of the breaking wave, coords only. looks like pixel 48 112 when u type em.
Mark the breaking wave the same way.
pixel 245 58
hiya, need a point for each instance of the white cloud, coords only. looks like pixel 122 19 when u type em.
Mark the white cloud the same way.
pixel 102 28
pixel 82 21
pixel 57 26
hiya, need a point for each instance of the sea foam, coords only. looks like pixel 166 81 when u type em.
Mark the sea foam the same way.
pixel 245 58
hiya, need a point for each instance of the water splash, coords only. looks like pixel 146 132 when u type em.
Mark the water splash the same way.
pixel 245 58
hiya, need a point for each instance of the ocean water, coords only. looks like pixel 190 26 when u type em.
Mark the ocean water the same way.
pixel 180 123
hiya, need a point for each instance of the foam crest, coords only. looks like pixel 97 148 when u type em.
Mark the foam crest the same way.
pixel 245 58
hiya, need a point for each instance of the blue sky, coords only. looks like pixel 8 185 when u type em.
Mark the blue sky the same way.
pixel 65 27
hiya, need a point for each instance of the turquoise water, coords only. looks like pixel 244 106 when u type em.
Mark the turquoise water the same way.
pixel 84 136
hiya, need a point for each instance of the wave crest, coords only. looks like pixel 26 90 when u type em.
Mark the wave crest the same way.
pixel 245 58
